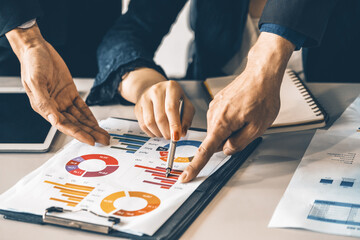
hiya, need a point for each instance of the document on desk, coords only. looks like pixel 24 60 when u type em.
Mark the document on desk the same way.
pixel 125 180
pixel 324 193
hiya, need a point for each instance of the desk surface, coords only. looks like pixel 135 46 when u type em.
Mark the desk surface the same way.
pixel 242 209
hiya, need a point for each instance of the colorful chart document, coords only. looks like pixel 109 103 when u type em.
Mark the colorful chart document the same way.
pixel 125 180
pixel 324 193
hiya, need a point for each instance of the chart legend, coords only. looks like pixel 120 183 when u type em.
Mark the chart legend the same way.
pixel 129 143
pixel 159 178
pixel 71 194
pixel 73 165
pixel 108 206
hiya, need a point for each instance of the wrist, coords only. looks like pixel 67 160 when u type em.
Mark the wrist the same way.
pixel 22 39
pixel 136 82
pixel 270 54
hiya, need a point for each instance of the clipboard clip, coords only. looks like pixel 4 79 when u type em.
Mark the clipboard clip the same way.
pixel 56 220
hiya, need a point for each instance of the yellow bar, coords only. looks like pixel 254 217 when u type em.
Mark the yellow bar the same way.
pixel 77 193
pixel 71 196
pixel 74 199
pixel 64 201
pixel 73 186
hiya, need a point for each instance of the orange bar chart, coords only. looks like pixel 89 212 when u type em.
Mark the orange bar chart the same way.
pixel 72 193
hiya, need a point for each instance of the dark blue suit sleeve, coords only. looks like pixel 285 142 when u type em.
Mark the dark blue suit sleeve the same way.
pixel 131 43
pixel 13 13
pixel 306 17
pixel 294 37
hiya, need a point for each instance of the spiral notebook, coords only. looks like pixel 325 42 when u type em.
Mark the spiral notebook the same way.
pixel 299 109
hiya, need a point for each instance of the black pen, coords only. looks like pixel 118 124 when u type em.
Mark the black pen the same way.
pixel 172 148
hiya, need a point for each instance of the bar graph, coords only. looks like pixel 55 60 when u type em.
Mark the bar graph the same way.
pixel 129 143
pixel 159 178
pixel 71 194
pixel 344 182
pixel 335 212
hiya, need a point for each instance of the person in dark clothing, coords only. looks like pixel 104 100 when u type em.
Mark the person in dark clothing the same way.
pixel 247 107
pixel 70 34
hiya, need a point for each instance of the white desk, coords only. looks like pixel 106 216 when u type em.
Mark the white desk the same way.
pixel 241 210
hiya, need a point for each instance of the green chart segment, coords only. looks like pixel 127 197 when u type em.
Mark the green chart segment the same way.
pixel 129 143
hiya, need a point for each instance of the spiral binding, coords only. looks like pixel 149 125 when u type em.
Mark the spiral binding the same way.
pixel 305 93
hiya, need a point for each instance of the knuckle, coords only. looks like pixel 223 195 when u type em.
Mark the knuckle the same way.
pixel 170 107
pixel 142 125
pixel 222 123
pixel 34 106
pixel 212 104
pixel 172 83
pixel 155 90
pixel 41 106
pixel 76 131
pixel 174 125
pixel 202 150
pixel 233 145
pixel 161 118
pixel 149 122
pixel 255 130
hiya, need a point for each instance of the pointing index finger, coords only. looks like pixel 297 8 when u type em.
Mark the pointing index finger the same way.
pixel 208 147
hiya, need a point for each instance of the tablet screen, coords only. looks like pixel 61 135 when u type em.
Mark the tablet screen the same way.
pixel 19 123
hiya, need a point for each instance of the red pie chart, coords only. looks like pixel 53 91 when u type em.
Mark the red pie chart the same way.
pixel 73 165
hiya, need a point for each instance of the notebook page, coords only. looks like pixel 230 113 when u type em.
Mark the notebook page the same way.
pixel 294 108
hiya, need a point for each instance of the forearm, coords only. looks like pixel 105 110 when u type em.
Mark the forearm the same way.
pixel 22 39
pixel 270 56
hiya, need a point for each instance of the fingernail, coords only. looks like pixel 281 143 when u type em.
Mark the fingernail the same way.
pixel 176 136
pixel 183 176
pixel 52 119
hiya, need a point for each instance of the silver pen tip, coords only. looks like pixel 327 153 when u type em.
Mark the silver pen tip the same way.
pixel 167 172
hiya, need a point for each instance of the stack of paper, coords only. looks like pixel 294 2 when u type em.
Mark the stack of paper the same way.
pixel 324 193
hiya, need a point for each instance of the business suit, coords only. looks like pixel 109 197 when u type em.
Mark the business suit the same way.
pixel 218 27
pixel 74 28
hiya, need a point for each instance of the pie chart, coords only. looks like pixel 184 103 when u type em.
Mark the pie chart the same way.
pixel 185 151
pixel 74 165
pixel 108 206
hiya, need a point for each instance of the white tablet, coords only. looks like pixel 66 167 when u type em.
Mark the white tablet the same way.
pixel 21 128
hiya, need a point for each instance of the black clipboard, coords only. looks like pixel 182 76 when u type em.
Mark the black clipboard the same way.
pixel 177 224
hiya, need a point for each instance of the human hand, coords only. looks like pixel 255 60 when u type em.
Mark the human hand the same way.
pixel 157 103
pixel 51 89
pixel 243 110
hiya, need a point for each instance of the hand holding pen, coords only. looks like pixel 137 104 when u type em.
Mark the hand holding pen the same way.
pixel 174 140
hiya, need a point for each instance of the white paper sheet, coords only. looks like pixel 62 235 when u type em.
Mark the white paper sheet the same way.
pixel 324 193
pixel 125 179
